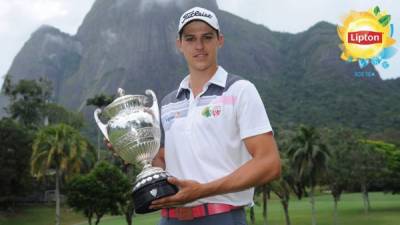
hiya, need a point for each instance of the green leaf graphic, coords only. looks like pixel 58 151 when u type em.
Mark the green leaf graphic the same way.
pixel 384 20
pixel 206 112
pixel 376 10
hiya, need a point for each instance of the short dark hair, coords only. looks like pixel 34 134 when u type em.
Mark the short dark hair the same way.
pixel 181 31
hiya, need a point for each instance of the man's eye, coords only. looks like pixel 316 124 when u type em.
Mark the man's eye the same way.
pixel 208 37
pixel 189 39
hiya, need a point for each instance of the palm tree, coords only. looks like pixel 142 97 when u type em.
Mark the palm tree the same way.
pixel 99 101
pixel 59 148
pixel 341 143
pixel 284 186
pixel 265 196
pixel 309 158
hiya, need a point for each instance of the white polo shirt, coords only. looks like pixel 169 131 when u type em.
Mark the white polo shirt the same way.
pixel 204 134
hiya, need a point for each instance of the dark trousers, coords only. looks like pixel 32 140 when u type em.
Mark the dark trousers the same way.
pixel 235 217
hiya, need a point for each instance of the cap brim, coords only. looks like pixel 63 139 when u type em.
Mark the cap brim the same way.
pixel 197 19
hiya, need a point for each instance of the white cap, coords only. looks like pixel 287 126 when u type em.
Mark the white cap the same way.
pixel 198 13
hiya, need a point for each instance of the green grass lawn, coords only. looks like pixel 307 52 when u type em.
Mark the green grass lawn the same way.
pixel 385 211
pixel 40 215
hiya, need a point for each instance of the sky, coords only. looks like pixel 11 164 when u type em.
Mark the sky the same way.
pixel 20 18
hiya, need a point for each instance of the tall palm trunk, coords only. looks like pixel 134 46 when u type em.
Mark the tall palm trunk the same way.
pixel 335 206
pixel 57 196
pixel 265 205
pixel 252 215
pixel 312 201
pixel 128 217
pixel 285 205
pixel 364 190
pixel 98 145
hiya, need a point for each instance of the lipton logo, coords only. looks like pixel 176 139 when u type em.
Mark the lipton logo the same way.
pixel 367 37
pixel 364 37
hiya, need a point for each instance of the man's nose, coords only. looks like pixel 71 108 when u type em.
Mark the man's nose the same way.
pixel 199 44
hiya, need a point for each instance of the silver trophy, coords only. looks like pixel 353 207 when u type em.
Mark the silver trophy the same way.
pixel 134 132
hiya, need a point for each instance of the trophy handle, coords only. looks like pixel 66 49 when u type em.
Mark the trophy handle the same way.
pixel 154 107
pixel 102 126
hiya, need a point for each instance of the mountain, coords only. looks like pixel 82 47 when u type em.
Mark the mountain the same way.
pixel 131 44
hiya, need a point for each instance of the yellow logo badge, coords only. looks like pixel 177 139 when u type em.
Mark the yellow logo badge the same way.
pixel 367 37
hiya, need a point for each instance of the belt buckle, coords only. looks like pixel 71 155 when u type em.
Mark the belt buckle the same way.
pixel 184 213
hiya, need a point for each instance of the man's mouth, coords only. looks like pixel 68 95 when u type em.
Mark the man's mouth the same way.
pixel 201 55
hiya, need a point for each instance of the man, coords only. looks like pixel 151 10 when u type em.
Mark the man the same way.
pixel 218 139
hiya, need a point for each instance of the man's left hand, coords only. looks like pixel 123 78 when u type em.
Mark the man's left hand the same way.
pixel 189 190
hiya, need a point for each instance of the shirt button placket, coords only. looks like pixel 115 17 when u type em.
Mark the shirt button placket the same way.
pixel 192 104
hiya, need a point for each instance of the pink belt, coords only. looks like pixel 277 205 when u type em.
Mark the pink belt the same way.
pixel 189 213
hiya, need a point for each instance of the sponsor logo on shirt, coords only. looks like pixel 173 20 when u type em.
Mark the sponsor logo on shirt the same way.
pixel 212 111
pixel 169 116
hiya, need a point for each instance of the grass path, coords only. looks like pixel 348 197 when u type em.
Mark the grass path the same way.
pixel 385 211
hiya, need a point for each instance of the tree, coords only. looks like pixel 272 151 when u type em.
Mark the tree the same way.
pixel 27 100
pixel 252 215
pixel 29 104
pixel 287 182
pixel 127 206
pixel 59 148
pixel 265 196
pixel 99 101
pixel 368 168
pixel 15 152
pixel 101 191
pixel 391 181
pixel 283 187
pixel 309 157
pixel 58 114
pixel 341 142
pixel 264 191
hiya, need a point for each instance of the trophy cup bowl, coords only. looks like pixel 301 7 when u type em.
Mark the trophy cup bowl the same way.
pixel 134 132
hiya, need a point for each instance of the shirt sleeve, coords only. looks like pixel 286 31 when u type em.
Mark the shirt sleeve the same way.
pixel 162 137
pixel 252 117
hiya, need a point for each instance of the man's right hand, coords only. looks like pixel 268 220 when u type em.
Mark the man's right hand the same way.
pixel 108 144
pixel 111 148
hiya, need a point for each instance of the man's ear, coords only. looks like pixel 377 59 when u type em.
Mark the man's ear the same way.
pixel 178 44
pixel 221 40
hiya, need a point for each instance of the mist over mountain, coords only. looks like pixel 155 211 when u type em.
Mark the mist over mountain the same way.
pixel 131 44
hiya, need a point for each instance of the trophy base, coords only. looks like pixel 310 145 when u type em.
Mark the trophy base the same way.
pixel 150 191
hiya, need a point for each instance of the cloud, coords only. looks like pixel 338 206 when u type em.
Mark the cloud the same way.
pixel 20 18
pixel 31 12
pixel 48 9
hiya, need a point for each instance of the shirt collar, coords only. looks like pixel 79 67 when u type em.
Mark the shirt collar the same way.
pixel 219 78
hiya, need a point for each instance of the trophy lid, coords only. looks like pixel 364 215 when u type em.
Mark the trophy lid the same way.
pixel 124 102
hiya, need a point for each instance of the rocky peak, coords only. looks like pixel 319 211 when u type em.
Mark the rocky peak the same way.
pixel 49 53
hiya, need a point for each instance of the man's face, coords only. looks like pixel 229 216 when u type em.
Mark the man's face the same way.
pixel 199 45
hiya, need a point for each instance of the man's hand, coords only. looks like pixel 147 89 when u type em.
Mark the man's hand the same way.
pixel 189 190
pixel 108 144
pixel 264 167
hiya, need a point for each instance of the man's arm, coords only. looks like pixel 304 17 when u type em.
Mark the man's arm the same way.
pixel 264 167
pixel 159 160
